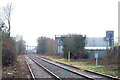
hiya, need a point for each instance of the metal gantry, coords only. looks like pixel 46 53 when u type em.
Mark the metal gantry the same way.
pixel 30 49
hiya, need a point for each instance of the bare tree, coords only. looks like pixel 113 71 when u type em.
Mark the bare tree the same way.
pixel 1 20
pixel 3 26
pixel 7 11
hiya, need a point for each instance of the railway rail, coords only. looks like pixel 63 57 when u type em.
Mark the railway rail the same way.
pixel 84 75
pixel 54 77
pixel 106 77
pixel 30 70
pixel 63 73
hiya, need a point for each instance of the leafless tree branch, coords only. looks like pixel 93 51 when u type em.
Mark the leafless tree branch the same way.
pixel 7 11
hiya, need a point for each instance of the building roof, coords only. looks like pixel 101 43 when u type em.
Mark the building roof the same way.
pixel 97 48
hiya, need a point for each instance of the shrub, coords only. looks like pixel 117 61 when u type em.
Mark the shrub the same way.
pixel 8 50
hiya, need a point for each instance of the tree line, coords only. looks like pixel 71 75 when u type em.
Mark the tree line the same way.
pixel 46 46
pixel 10 46
pixel 74 43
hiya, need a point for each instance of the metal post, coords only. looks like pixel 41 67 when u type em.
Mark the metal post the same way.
pixel 96 56
pixel 96 62
pixel 68 56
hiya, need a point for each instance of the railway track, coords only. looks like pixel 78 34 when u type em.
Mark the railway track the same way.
pixel 87 72
pixel 66 71
pixel 74 67
pixel 63 73
pixel 34 74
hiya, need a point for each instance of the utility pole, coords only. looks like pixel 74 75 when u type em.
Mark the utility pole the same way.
pixel 119 25
pixel 119 39
pixel 0 54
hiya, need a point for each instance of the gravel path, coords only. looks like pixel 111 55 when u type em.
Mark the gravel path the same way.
pixel 38 71
pixel 56 70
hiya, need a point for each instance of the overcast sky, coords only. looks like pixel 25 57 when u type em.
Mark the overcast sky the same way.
pixel 35 18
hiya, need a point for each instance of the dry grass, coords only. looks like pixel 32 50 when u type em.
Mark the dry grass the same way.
pixel 19 70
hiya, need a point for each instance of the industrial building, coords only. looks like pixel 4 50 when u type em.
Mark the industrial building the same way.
pixel 93 44
pixel 96 45
pixel 99 45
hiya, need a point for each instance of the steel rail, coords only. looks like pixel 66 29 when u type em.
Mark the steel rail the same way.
pixel 44 68
pixel 80 74
pixel 107 76
pixel 30 70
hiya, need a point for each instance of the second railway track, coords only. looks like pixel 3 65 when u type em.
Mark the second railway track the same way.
pixel 88 71
pixel 86 74
pixel 62 73
pixel 66 73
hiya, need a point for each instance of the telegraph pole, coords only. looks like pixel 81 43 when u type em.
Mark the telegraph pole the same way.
pixel 0 54
pixel 119 39
pixel 119 26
